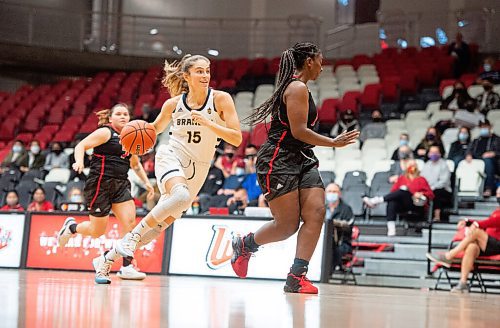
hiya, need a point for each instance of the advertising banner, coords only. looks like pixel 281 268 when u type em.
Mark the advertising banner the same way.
pixel 203 247
pixel 43 251
pixel 11 239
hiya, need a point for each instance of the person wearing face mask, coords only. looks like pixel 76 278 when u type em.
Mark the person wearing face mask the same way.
pixel 438 175
pixel 250 183
pixel 487 148
pixel 374 129
pixel 14 157
pixel 411 192
pixel 213 183
pixel 431 138
pixel 404 140
pixel 489 99
pixel 342 217
pixel 459 99
pixel 458 148
pixel 347 122
pixel 40 204
pixel 57 158
pixel 490 71
pixel 238 202
pixel 33 159
pixel 12 202
pixel 228 160
pixel 404 154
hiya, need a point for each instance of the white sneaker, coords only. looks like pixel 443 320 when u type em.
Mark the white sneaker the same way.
pixel 373 202
pixel 130 273
pixel 391 228
pixel 127 245
pixel 65 234
pixel 102 267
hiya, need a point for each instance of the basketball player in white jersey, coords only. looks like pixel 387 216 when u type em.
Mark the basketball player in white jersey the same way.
pixel 200 117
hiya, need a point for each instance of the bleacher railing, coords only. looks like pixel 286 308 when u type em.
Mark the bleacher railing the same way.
pixel 155 36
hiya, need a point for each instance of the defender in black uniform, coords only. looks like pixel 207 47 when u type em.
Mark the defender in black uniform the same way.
pixel 287 168
pixel 107 186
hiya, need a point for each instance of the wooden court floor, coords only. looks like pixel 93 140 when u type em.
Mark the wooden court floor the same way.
pixel 33 298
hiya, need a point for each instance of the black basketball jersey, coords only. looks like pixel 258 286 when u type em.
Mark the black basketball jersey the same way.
pixel 280 131
pixel 109 159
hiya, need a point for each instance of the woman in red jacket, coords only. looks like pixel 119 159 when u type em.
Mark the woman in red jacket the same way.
pixel 411 192
pixel 40 204
pixel 12 202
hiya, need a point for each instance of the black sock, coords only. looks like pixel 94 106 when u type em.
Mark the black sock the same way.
pixel 72 228
pixel 250 243
pixel 127 261
pixel 299 266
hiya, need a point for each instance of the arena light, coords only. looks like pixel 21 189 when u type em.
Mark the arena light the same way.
pixel 213 52
pixel 403 43
pixel 441 36
pixel 381 34
pixel 153 31
pixel 427 41
pixel 462 23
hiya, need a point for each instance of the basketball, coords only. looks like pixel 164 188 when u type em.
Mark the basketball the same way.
pixel 138 137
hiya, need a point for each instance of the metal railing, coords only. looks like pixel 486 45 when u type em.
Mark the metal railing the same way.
pixel 156 36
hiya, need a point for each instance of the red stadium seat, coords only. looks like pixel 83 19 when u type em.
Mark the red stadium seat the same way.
pixel 371 96
pixel 259 134
pixel 444 83
pixel 327 113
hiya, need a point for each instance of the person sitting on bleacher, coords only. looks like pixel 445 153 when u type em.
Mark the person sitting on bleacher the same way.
pixel 57 158
pixel 489 71
pixel 458 148
pixel 482 238
pixel 342 216
pixel 487 148
pixel 459 99
pixel 404 140
pixel 347 122
pixel 228 162
pixel 489 99
pixel 404 154
pixel 411 192
pixel 438 175
pixel 250 183
pixel 431 138
pixel 375 129
pixel 33 159
pixel 12 202
pixel 13 159
pixel 213 183
pixel 40 204
pixel 239 201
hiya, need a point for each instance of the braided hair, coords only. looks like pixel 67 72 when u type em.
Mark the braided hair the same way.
pixel 291 59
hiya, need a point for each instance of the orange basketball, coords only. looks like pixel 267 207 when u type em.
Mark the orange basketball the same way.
pixel 138 137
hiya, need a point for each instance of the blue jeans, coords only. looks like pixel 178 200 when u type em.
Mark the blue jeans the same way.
pixel 489 169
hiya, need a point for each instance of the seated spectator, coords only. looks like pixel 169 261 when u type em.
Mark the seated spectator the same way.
pixel 75 195
pixel 458 148
pixel 459 99
pixel 438 175
pixel 431 138
pixel 489 71
pixel 250 183
pixel 32 159
pixel 57 158
pixel 411 192
pixel 238 202
pixel 375 129
pixel 40 204
pixel 228 161
pixel 482 238
pixel 461 51
pixel 149 114
pixel 86 162
pixel 213 183
pixel 14 157
pixel 12 202
pixel 487 148
pixel 404 140
pixel 489 99
pixel 399 166
pixel 343 218
pixel 347 122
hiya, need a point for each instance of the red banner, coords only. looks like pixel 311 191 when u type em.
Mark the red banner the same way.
pixel 43 251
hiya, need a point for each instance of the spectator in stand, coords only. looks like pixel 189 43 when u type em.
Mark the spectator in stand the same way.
pixel 375 129
pixel 40 204
pixel 86 161
pixel 411 192
pixel 460 50
pixel 250 183
pixel 459 99
pixel 33 159
pixel 458 148
pixel 347 122
pixel 487 148
pixel 431 138
pixel 343 218
pixel 13 159
pixel 438 175
pixel 228 161
pixel 75 195
pixel 149 114
pixel 213 183
pixel 12 202
pixel 489 71
pixel 489 99
pixel 239 201
pixel 57 158
pixel 481 238
pixel 404 140
pixel 405 155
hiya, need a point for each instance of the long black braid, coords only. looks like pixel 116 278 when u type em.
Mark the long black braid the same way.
pixel 291 60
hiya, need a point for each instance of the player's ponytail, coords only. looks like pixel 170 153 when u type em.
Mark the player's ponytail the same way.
pixel 174 78
pixel 104 115
pixel 291 60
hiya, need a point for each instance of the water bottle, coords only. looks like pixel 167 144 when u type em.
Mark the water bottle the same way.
pixel 195 208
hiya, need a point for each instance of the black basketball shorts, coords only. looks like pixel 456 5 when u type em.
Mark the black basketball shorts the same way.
pixel 100 194
pixel 492 247
pixel 280 170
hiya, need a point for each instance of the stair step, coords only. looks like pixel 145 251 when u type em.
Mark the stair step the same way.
pixel 400 268
pixel 401 252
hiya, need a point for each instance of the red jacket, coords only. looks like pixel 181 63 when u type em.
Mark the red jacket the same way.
pixel 492 224
pixel 419 184
pixel 15 208
pixel 45 207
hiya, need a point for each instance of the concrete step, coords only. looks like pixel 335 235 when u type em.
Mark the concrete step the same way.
pixel 401 252
pixel 439 237
pixel 473 212
pixel 400 268
pixel 392 240
pixel 389 281
pixel 490 206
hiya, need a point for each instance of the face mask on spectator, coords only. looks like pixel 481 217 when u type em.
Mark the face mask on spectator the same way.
pixel 332 197
pixel 463 136
pixel 229 155
pixel 403 155
pixel 57 151
pixel 411 169
pixel 403 142
pixel 484 132
pixel 434 157
pixel 487 88
pixel 76 198
pixel 487 67
pixel 35 149
pixel 17 148
pixel 430 136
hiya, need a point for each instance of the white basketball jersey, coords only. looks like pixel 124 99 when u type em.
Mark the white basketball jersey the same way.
pixel 199 142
